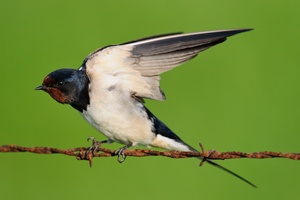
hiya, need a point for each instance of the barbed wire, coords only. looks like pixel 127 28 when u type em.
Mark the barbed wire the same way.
pixel 82 153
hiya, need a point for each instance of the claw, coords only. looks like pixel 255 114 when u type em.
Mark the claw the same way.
pixel 95 146
pixel 121 153
pixel 91 138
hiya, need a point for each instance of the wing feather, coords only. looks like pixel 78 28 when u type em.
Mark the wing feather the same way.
pixel 137 65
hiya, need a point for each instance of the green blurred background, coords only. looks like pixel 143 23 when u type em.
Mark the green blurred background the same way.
pixel 242 95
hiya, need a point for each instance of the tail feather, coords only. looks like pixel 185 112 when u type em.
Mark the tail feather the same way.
pixel 174 142
pixel 221 167
pixel 230 172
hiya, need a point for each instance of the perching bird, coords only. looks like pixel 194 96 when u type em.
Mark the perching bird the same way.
pixel 109 87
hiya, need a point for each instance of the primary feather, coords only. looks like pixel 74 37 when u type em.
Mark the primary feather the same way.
pixel 138 64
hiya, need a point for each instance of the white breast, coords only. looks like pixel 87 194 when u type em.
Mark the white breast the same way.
pixel 113 112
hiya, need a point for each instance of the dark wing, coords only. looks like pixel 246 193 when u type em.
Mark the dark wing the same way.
pixel 157 55
pixel 138 64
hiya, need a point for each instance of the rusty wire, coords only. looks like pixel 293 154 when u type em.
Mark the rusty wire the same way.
pixel 80 153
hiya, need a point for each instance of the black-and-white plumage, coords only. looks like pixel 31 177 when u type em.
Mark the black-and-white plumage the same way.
pixel 109 87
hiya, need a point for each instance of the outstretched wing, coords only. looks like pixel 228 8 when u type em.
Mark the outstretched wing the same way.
pixel 137 65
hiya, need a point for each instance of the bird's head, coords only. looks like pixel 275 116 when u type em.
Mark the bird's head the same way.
pixel 64 85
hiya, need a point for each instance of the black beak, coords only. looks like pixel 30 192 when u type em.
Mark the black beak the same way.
pixel 41 87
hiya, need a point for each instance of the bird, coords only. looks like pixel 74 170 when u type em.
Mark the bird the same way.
pixel 109 88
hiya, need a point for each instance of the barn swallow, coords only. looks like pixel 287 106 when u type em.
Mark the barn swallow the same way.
pixel 109 87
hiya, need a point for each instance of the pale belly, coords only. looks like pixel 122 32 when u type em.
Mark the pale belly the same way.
pixel 121 124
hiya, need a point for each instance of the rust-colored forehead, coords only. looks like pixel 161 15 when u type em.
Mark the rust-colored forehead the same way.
pixel 48 80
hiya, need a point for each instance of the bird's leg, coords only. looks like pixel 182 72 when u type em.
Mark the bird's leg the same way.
pixel 95 145
pixel 120 153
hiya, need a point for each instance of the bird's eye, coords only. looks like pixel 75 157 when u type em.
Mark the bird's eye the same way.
pixel 60 83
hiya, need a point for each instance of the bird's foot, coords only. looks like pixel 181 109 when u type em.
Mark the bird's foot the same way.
pixel 95 146
pixel 121 154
